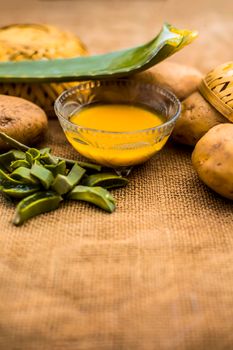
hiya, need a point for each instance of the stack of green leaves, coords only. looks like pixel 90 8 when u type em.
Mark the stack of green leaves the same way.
pixel 40 181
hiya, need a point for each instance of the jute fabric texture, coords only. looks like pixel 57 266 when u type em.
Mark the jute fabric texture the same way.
pixel 156 274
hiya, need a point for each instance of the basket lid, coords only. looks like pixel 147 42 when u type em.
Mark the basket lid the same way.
pixel 217 88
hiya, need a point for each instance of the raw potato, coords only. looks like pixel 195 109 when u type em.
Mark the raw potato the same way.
pixel 22 120
pixel 196 118
pixel 181 79
pixel 213 159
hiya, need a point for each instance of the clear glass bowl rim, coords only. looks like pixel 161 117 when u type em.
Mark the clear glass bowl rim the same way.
pixel 156 87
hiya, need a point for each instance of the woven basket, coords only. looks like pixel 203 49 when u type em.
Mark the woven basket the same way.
pixel 34 42
pixel 217 88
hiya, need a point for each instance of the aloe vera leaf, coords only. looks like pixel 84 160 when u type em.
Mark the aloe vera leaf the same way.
pixel 5 178
pixel 36 204
pixel 48 158
pixel 12 142
pixel 23 174
pixel 75 174
pixel 106 180
pixel 90 166
pixel 56 169
pixel 95 195
pixel 45 150
pixel 63 184
pixel 2 167
pixel 18 154
pixel 19 163
pixel 114 64
pixel 35 153
pixel 7 158
pixel 19 190
pixel 85 165
pixel 32 155
pixel 44 175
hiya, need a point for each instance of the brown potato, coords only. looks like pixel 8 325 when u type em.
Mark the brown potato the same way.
pixel 213 159
pixel 196 118
pixel 22 120
pixel 180 79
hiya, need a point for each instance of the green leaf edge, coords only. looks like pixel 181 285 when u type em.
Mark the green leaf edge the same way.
pixel 111 65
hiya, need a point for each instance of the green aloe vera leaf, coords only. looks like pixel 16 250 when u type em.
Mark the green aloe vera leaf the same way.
pixel 106 180
pixel 90 166
pixel 34 152
pixel 32 155
pixel 95 195
pixel 48 158
pixel 24 175
pixel 45 150
pixel 85 165
pixel 36 204
pixel 75 174
pixel 44 175
pixel 8 157
pixel 114 64
pixel 12 142
pixel 19 163
pixel 56 169
pixel 18 145
pixel 29 158
pixel 18 154
pixel 19 190
pixel 5 178
pixel 2 167
pixel 63 184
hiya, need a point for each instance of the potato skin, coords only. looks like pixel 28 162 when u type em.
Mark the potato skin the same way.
pixel 179 78
pixel 212 158
pixel 197 117
pixel 22 120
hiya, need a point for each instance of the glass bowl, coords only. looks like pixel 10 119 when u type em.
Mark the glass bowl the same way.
pixel 117 149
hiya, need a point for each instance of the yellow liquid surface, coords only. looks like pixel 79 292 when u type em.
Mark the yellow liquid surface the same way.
pixel 116 149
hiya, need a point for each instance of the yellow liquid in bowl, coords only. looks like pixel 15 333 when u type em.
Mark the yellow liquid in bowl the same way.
pixel 116 149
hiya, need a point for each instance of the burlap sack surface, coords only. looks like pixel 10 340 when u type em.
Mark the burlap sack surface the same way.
pixel 158 273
